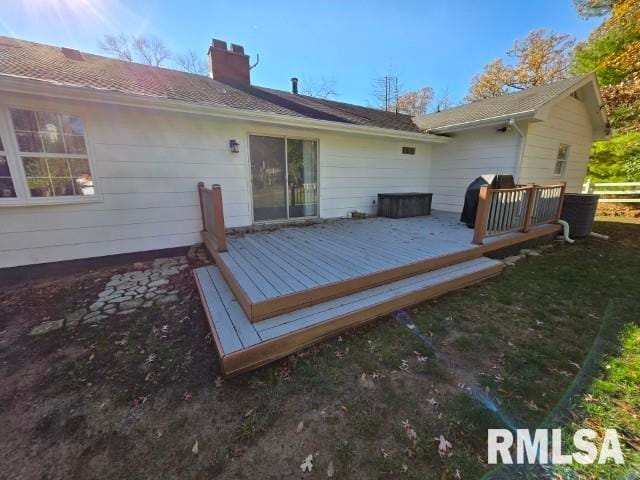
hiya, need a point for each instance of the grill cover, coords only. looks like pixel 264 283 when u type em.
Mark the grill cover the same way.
pixel 472 195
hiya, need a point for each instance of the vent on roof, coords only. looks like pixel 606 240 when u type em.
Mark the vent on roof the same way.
pixel 72 54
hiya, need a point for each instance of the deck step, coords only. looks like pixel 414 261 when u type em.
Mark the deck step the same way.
pixel 243 345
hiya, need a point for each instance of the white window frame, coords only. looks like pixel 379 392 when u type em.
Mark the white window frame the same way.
pixel 14 157
pixel 564 161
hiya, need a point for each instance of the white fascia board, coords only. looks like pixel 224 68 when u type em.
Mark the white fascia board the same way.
pixel 27 86
pixel 485 122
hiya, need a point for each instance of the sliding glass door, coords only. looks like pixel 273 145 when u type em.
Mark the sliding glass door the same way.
pixel 284 177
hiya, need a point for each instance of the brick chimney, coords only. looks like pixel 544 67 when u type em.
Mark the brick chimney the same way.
pixel 229 65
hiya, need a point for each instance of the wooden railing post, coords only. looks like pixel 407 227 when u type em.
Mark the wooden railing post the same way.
pixel 218 215
pixel 481 214
pixel 531 191
pixel 561 201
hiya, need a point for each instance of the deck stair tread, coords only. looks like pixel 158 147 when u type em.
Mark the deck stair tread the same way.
pixel 235 332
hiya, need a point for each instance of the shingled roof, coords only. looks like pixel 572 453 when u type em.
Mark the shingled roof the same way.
pixel 525 101
pixel 61 66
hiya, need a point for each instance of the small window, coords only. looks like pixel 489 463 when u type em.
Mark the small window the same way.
pixel 53 153
pixel 409 150
pixel 7 190
pixel 561 160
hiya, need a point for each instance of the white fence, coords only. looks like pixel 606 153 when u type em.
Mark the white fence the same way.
pixel 614 192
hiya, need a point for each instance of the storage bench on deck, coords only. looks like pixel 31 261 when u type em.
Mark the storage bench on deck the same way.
pixel 402 205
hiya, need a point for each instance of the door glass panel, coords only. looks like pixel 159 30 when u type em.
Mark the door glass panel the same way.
pixel 268 178
pixel 302 164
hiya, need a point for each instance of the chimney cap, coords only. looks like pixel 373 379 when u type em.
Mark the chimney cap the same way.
pixel 237 48
pixel 220 44
pixel 294 85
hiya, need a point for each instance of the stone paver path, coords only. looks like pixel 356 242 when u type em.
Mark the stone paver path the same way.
pixel 124 293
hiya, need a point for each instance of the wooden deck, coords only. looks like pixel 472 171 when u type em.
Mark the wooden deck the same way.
pixel 244 345
pixel 271 273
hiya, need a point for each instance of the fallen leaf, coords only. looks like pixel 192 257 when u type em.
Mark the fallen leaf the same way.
pixel 186 396
pixel 307 465
pixel 532 406
pixel 575 365
pixel 218 382
pixel 405 467
pixel 444 446
pixel 194 450
pixel 457 475
pixel 249 412
pixel 433 401
pixel 384 453
pixel 330 470
pixel 410 432
pixel 300 427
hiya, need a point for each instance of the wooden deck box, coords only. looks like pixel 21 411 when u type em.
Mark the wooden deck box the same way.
pixel 402 205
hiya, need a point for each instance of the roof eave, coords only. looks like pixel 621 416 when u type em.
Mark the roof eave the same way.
pixel 485 122
pixel 30 86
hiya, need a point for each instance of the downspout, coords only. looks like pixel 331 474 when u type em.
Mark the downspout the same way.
pixel 512 123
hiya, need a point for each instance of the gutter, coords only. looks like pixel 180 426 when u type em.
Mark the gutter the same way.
pixel 512 122
pixel 485 122
pixel 29 86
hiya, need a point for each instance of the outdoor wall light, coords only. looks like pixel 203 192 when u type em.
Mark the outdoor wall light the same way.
pixel 234 146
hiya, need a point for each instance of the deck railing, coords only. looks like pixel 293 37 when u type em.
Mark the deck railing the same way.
pixel 516 209
pixel 213 230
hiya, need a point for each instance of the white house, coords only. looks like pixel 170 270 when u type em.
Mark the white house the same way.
pixel 101 157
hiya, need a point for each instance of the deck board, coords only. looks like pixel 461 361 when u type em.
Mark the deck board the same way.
pixel 229 338
pixel 278 271
pixel 246 333
pixel 297 278
pixel 319 271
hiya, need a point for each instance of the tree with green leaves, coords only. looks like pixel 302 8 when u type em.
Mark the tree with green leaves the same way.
pixel 612 52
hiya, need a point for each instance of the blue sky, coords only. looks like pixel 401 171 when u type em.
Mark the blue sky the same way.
pixel 436 43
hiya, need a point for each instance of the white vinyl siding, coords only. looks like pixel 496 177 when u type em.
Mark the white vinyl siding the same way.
pixel 353 170
pixel 470 154
pixel 568 124
pixel 148 164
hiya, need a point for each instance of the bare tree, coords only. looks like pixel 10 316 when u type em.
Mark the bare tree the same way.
pixel 192 63
pixel 323 88
pixel 385 92
pixel 117 46
pixel 151 50
pixel 443 101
